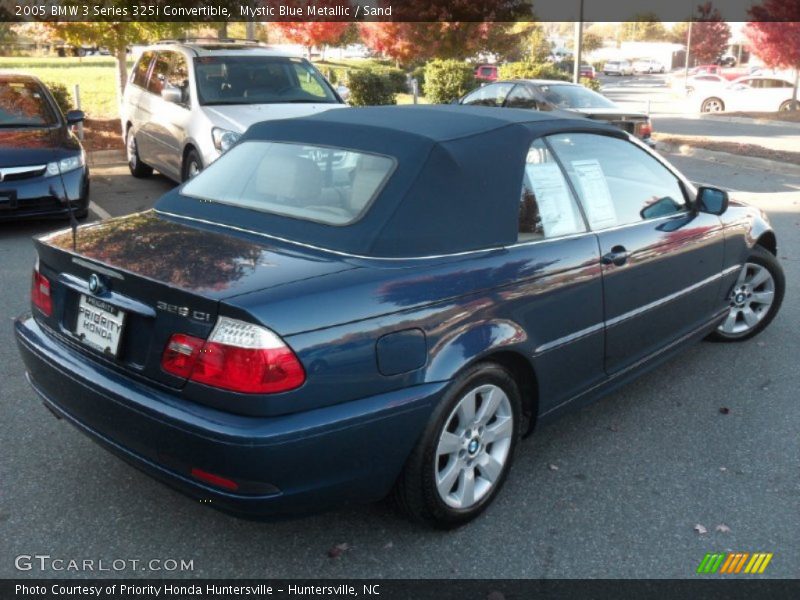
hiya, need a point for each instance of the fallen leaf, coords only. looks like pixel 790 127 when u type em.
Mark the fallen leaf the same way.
pixel 723 469
pixel 553 467
pixel 338 550
pixel 613 428
pixel 700 529
pixel 724 410
pixel 388 545
pixel 760 344
pixel 722 528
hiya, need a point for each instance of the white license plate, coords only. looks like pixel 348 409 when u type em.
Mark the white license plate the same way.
pixel 99 324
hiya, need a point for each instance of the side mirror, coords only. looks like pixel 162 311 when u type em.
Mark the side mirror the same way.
pixel 711 200
pixel 75 116
pixel 172 94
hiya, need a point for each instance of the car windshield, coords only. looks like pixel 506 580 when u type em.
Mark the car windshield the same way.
pixel 259 80
pixel 326 185
pixel 574 96
pixel 23 104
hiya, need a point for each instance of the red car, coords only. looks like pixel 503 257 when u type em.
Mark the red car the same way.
pixel 486 72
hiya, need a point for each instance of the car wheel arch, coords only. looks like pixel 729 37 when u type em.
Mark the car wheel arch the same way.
pixel 500 342
pixel 769 242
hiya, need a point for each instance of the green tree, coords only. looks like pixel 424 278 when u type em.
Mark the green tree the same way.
pixel 539 47
pixel 116 36
pixel 591 41
pixel 645 27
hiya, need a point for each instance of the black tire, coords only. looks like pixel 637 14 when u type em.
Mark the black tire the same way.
pixel 788 105
pixel 762 257
pixel 137 168
pixel 192 158
pixel 707 103
pixel 415 492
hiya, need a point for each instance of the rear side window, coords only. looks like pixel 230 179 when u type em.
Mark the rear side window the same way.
pixel 547 208
pixel 160 72
pixel 325 185
pixel 489 95
pixel 618 183
pixel 523 97
pixel 140 70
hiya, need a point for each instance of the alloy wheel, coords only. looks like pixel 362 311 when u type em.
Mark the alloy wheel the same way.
pixel 712 105
pixel 131 148
pixel 750 300
pixel 474 446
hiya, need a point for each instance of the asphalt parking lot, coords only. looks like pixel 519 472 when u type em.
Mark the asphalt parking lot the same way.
pixel 615 490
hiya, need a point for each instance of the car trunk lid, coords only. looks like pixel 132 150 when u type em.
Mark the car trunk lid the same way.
pixel 149 277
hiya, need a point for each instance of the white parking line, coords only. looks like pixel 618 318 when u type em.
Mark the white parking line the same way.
pixel 99 210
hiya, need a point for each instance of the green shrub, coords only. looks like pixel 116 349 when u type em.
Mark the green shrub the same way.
pixel 447 80
pixel 592 84
pixel 61 95
pixel 396 77
pixel 369 88
pixel 529 70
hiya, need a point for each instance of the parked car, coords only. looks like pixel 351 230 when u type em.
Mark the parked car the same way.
pixel 705 82
pixel 385 298
pixel 588 71
pixel 648 65
pixel 486 72
pixel 618 67
pixel 43 171
pixel 188 102
pixel 767 94
pixel 550 94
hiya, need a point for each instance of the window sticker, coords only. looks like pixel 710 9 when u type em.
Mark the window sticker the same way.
pixel 553 199
pixel 597 198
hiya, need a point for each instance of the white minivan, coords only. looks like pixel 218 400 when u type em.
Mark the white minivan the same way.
pixel 188 101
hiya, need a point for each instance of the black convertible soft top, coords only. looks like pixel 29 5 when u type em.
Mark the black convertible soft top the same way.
pixel 456 186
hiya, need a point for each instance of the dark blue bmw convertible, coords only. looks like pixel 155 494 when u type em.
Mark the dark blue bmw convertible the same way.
pixel 382 300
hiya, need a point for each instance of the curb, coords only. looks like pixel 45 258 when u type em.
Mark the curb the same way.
pixel 105 157
pixel 749 121
pixel 735 160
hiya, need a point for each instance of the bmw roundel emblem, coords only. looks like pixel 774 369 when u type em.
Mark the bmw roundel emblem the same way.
pixel 95 285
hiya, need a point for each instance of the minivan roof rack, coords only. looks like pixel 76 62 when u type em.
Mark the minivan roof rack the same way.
pixel 208 39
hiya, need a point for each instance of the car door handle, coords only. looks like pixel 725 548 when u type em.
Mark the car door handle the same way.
pixel 618 256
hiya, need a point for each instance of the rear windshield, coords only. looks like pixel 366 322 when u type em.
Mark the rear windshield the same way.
pixel 259 80
pixel 23 104
pixel 326 185
pixel 574 96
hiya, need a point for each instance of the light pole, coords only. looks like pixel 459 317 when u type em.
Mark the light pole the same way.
pixel 576 67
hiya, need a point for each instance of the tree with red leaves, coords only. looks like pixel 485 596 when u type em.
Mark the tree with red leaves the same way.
pixel 710 34
pixel 312 33
pixel 411 42
pixel 774 36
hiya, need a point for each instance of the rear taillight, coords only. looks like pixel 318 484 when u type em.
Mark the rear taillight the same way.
pixel 643 129
pixel 40 293
pixel 237 356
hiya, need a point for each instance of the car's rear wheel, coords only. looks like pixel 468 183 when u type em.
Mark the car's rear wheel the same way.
pixel 465 453
pixel 754 299
pixel 135 164
pixel 788 105
pixel 712 105
pixel 192 165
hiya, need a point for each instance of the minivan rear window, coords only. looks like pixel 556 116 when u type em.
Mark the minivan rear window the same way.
pixel 332 186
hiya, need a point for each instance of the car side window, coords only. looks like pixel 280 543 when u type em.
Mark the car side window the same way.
pixel 178 75
pixel 547 208
pixel 141 68
pixel 159 73
pixel 493 94
pixel 523 97
pixel 308 83
pixel 617 182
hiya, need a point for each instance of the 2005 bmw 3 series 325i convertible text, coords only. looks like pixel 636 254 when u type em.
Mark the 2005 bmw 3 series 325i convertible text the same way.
pixel 382 300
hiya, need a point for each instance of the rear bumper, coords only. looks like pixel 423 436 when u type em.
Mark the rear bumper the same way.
pixel 350 452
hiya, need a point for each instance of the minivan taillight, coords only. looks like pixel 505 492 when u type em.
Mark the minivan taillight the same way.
pixel 40 293
pixel 237 356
